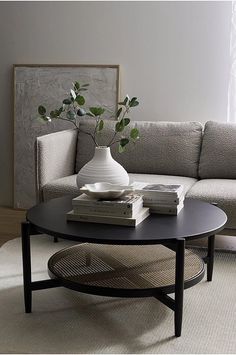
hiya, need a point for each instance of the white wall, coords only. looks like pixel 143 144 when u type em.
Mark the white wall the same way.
pixel 174 56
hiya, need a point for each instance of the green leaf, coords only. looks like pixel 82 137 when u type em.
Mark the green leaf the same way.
pixel 133 104
pixel 126 100
pixel 71 115
pixel 41 110
pixel 97 111
pixel 52 114
pixel 85 85
pixel 119 112
pixel 126 121
pixel 55 113
pixel 80 100
pixel 119 126
pixel 123 143
pixel 67 101
pixel 82 89
pixel 121 149
pixel 77 85
pixel 61 109
pixel 134 133
pixel 100 125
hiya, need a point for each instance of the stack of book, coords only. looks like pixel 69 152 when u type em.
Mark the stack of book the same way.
pixel 127 210
pixel 160 198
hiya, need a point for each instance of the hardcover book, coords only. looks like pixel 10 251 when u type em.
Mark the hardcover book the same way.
pixel 167 209
pixel 109 210
pixel 158 190
pixel 125 202
pixel 171 202
pixel 133 221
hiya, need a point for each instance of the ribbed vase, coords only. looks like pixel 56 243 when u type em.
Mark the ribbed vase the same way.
pixel 102 168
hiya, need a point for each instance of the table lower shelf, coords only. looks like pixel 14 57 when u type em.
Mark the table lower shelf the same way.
pixel 122 271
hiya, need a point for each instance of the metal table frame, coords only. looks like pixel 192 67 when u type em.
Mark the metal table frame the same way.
pixel 176 304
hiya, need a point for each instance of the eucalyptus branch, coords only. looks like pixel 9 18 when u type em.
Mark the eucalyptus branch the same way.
pixel 114 143
pixel 74 122
pixel 89 134
pixel 71 111
pixel 115 134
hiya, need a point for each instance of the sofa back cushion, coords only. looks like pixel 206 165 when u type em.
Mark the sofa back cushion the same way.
pixel 218 153
pixel 167 148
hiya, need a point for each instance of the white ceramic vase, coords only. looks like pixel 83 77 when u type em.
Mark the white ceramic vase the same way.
pixel 102 168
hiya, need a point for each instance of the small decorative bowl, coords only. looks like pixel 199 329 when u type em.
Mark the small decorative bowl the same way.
pixel 105 190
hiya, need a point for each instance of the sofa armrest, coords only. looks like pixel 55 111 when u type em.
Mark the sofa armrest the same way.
pixel 55 155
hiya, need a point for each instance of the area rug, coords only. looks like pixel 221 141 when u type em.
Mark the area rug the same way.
pixel 65 321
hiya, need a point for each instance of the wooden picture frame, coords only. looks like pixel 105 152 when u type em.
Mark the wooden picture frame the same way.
pixel 48 85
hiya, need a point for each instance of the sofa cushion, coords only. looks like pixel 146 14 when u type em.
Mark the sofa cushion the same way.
pixel 221 191
pixel 67 185
pixel 166 148
pixel 218 153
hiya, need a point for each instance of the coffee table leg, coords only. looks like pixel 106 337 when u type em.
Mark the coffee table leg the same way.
pixel 179 285
pixel 210 257
pixel 25 235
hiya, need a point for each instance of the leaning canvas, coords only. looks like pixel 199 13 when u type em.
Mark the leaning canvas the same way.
pixel 48 85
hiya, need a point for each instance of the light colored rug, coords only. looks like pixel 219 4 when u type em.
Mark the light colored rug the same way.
pixel 65 321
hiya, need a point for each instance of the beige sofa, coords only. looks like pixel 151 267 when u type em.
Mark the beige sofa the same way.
pixel 203 159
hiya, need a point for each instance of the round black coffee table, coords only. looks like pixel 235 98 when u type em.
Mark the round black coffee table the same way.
pixel 122 261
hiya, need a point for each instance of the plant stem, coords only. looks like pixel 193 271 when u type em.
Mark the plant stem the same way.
pixel 65 119
pixel 114 143
pixel 89 134
pixel 95 130
pixel 115 134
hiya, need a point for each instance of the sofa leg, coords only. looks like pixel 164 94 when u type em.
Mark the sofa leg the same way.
pixel 55 239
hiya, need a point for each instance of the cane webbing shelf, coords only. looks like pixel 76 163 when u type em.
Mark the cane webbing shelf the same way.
pixel 123 268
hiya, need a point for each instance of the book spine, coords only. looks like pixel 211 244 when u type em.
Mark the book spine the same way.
pixel 101 210
pixel 156 200
pixel 157 194
pixel 98 219
pixel 161 210
pixel 131 203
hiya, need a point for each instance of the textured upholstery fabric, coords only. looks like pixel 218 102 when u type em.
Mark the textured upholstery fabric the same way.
pixel 221 191
pixel 218 154
pixel 166 148
pixel 55 157
pixel 67 185
pixel 61 187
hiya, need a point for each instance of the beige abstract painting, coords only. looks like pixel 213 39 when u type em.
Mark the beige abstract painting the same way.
pixel 48 85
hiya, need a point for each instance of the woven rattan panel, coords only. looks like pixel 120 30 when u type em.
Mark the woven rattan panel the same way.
pixel 124 267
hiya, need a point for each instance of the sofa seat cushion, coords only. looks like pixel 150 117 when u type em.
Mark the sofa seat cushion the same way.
pixel 221 191
pixel 166 148
pixel 218 153
pixel 164 179
pixel 67 185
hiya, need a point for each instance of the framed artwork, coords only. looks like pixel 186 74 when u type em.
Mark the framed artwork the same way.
pixel 48 85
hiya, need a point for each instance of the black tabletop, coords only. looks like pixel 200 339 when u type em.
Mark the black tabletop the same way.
pixel 197 219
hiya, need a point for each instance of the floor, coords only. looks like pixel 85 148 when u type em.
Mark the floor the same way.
pixel 10 228
pixel 10 224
